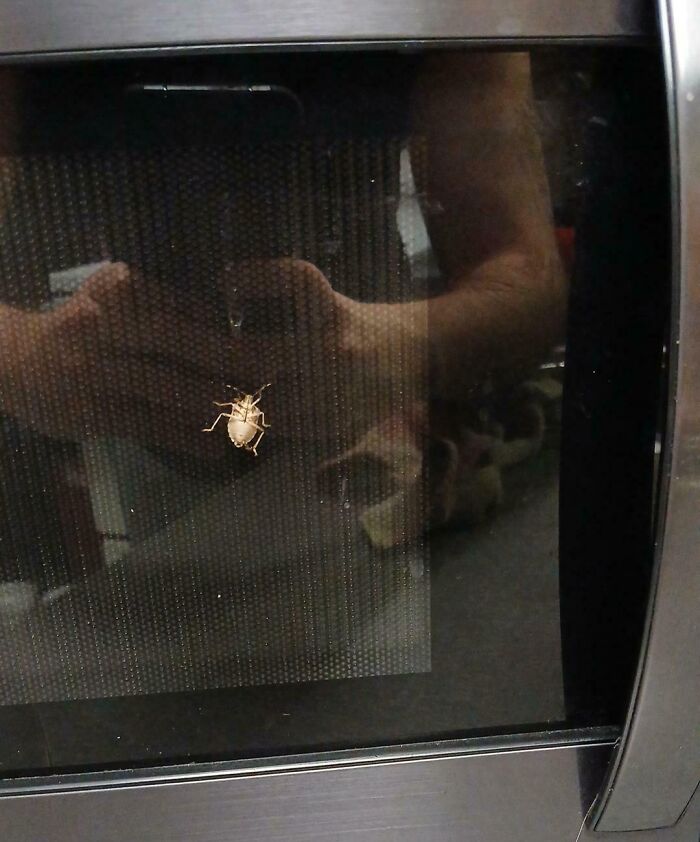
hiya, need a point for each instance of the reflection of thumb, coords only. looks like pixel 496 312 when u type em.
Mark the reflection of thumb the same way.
pixel 84 297
pixel 109 282
pixel 90 298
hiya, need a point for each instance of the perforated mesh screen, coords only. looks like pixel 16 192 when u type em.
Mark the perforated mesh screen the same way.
pixel 163 557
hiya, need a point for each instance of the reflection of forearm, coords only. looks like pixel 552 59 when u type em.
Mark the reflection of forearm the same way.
pixel 494 324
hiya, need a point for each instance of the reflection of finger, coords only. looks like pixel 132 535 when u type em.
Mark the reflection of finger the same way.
pixel 203 306
pixel 305 355
pixel 142 318
pixel 156 385
pixel 133 323
pixel 154 427
pixel 174 338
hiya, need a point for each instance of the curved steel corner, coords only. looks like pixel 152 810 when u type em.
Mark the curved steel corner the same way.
pixel 658 764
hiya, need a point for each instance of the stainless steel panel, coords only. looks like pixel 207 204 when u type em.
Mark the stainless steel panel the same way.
pixel 528 795
pixel 33 26
pixel 658 767
pixel 309 761
pixel 687 829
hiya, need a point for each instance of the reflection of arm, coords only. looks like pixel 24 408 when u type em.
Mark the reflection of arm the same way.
pixel 489 219
pixel 13 322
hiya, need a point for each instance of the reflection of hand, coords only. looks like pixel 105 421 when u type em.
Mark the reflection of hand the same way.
pixel 120 358
pixel 338 358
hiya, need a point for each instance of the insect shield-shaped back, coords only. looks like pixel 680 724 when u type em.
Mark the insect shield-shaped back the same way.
pixel 243 422
pixel 246 421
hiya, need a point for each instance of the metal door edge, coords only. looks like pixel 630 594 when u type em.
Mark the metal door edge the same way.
pixel 657 767
pixel 54 27
pixel 312 761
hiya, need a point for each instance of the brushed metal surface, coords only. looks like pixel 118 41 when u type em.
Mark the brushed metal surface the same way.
pixel 524 795
pixel 33 26
pixel 308 761
pixel 658 767
pixel 687 829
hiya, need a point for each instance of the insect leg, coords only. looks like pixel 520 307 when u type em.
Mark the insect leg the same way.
pixel 262 420
pixel 254 447
pixel 219 417
pixel 226 403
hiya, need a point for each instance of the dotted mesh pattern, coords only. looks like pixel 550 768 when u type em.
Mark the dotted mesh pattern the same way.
pixel 239 570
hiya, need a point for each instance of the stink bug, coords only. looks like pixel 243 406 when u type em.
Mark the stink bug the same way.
pixel 245 421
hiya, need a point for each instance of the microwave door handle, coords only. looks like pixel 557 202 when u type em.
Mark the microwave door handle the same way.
pixel 657 765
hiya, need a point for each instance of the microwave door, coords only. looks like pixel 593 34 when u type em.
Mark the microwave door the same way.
pixel 657 767
pixel 341 491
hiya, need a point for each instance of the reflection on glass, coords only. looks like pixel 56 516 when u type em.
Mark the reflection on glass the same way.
pixel 384 263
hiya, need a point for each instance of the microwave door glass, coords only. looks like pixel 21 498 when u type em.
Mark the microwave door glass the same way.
pixel 295 385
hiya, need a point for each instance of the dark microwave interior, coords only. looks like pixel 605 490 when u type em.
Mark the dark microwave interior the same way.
pixel 332 398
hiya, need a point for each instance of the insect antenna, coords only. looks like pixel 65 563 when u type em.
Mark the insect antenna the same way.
pixel 261 390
